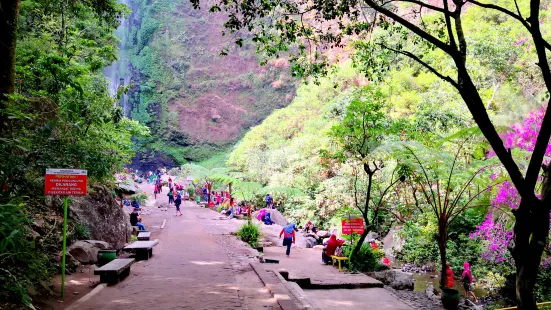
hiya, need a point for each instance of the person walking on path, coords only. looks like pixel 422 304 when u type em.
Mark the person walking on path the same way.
pixel 177 203
pixel 170 197
pixel 288 233
pixel 467 281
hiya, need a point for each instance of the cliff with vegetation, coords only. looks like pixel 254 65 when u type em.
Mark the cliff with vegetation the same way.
pixel 196 102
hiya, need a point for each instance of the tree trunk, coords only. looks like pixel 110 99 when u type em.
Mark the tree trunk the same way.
pixel 9 13
pixel 442 240
pixel 531 237
pixel 359 244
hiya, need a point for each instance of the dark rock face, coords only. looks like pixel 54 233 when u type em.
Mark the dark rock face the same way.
pixel 100 213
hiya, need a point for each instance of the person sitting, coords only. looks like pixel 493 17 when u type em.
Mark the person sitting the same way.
pixel 330 248
pixel 268 219
pixel 308 226
pixel 135 220
pixel 261 215
pixel 135 204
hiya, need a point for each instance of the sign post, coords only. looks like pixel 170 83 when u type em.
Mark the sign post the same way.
pixel 65 182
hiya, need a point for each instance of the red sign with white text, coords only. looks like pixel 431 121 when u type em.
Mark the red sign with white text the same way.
pixel 65 182
pixel 353 225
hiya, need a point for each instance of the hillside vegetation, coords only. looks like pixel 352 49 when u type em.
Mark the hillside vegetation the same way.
pixel 196 102
pixel 302 146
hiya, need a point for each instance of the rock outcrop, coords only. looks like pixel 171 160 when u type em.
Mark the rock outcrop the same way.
pixel 86 251
pixel 100 213
pixel 395 278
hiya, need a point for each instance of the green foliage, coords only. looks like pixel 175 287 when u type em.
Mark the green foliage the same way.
pixel 133 238
pixel 249 233
pixel 23 265
pixel 141 198
pixel 80 232
pixel 542 291
pixel 60 116
pixel 366 259
pixel 191 191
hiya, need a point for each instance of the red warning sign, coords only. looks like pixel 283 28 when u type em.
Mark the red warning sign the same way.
pixel 65 182
pixel 353 225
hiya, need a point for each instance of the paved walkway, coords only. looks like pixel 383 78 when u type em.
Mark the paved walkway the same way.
pixel 188 270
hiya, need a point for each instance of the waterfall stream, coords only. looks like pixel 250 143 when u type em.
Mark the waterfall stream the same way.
pixel 118 73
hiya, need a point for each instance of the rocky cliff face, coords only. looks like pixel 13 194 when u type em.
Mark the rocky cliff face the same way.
pixel 196 102
pixel 100 213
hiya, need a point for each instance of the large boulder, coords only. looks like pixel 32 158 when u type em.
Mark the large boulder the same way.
pixel 323 234
pixel 275 215
pixel 392 242
pixel 99 212
pixel 84 252
pixel 395 278
pixel 310 242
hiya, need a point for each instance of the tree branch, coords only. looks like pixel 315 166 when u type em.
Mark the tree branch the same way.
pixel 424 64
pixel 418 31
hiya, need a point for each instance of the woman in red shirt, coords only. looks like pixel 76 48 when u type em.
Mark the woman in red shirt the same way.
pixel 449 276
pixel 330 248
pixel 288 233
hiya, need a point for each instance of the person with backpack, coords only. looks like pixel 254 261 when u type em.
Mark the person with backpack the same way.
pixel 170 197
pixel 177 203
pixel 467 281
pixel 288 233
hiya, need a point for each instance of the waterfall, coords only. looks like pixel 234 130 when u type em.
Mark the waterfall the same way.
pixel 118 73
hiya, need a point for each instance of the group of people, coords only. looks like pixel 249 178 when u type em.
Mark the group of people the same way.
pixel 466 279
pixel 216 198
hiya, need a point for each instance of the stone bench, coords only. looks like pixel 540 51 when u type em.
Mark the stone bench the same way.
pixel 114 270
pixel 142 249
pixel 144 235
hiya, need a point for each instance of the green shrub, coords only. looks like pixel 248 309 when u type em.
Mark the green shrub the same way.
pixel 191 191
pixel 365 260
pixel 141 198
pixel 133 238
pixel 542 291
pixel 22 265
pixel 81 232
pixel 249 233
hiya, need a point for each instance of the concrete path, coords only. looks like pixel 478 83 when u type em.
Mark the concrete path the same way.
pixel 188 270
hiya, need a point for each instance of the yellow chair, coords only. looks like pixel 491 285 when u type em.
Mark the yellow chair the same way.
pixel 339 259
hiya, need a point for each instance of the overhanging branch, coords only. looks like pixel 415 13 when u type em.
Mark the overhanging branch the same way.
pixel 424 64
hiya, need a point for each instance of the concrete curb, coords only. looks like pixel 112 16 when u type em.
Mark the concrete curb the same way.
pixel 276 284
pixel 94 292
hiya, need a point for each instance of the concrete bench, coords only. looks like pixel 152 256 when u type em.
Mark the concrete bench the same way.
pixel 144 235
pixel 114 270
pixel 142 249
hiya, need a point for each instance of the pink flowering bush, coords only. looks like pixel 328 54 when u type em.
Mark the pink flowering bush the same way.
pixel 496 231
